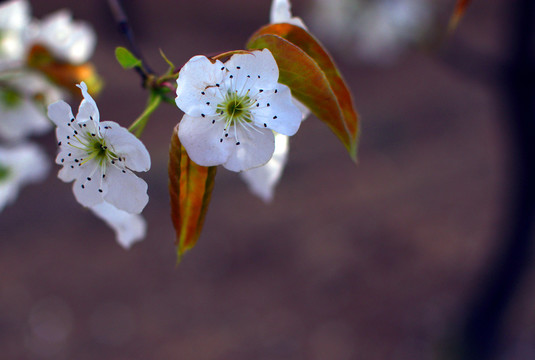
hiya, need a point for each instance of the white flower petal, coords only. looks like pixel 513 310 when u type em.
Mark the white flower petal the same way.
pixel 281 115
pixel 255 149
pixel 281 13
pixel 262 180
pixel 88 110
pixel 125 190
pixel 128 228
pixel 23 164
pixel 60 113
pixel 126 145
pixel 198 86
pixel 257 70
pixel 14 15
pixel 87 185
pixel 202 140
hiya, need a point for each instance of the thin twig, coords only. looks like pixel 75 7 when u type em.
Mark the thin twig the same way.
pixel 125 28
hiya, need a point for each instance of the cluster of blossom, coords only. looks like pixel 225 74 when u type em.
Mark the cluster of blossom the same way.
pixel 377 31
pixel 236 114
pixel 25 91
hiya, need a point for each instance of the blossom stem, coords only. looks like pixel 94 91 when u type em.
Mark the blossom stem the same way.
pixel 138 125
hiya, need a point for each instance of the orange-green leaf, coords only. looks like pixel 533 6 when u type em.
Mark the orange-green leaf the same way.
pixel 308 69
pixel 190 189
pixel 460 9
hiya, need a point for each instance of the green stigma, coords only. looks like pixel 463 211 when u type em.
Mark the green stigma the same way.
pixel 236 108
pixel 10 98
pixel 98 150
pixel 4 172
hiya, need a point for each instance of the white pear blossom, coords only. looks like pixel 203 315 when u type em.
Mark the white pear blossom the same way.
pixel 376 31
pixel 23 98
pixel 128 228
pixel 232 109
pixel 68 40
pixel 99 157
pixel 20 165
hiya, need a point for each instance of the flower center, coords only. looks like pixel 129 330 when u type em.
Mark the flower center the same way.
pixel 10 98
pixel 235 108
pixel 98 150
pixel 4 172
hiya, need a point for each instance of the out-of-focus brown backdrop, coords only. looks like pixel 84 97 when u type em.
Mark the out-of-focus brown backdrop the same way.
pixel 374 261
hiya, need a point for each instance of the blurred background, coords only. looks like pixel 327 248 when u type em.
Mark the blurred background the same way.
pixel 375 261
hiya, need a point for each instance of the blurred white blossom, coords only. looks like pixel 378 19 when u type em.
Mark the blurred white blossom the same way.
pixel 375 30
pixel 14 23
pixel 20 165
pixel 68 40
pixel 23 99
pixel 25 91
